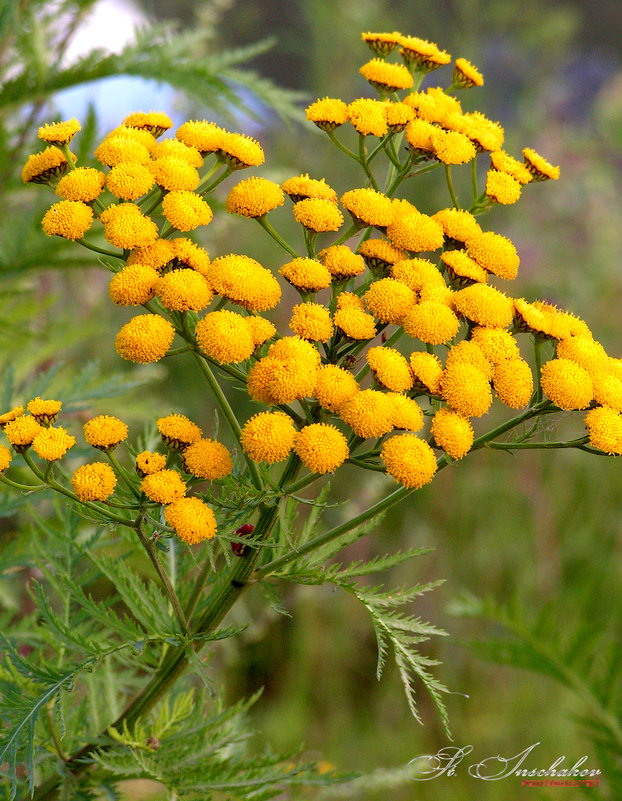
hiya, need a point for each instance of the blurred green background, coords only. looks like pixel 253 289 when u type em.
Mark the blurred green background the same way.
pixel 539 532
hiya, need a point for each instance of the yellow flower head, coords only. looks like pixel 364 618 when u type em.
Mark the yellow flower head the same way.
pixel 296 349
pixel 174 174
pixel 254 197
pixel 467 352
pixel 115 149
pixel 206 137
pixel 59 133
pixel 462 270
pixel 128 180
pixel 261 329
pixel 244 281
pixel 311 321
pixel 13 414
pixel 44 167
pixel 426 56
pixel 138 135
pixel 301 187
pixel 334 386
pixel 380 254
pixel 386 77
pixel 427 371
pixel 225 337
pixel 390 368
pixel 466 389
pixel 240 151
pixel 174 147
pixel 368 117
pixel 484 133
pixel 452 432
pixel 466 75
pixel 500 160
pixel 389 300
pixel 567 384
pixel 539 167
pixel 502 188
pixel 483 305
pixel 21 432
pixel 156 122
pixel 182 290
pixel 70 219
pixel 158 255
pixel 513 382
pixel 398 115
pixel 368 207
pixel 274 380
pixel 307 275
pixel 382 43
pixel 5 458
pixel 322 448
pixel 608 390
pixel 44 411
pixel 406 415
pixel 604 426
pixel 207 459
pixel 588 353
pixel 458 225
pixel 126 227
pixel 192 520
pixel 105 432
pixel 417 274
pixel 419 137
pixel 148 462
pixel 452 147
pixel 495 253
pixel 178 432
pixel 409 460
pixel 318 215
pixel 186 210
pixel 162 487
pixel 348 300
pixel 144 339
pixel 341 262
pixel 369 413
pixel 413 231
pixel 133 285
pixel 52 443
pixel 496 344
pixel 187 254
pixel 432 322
pixel 268 437
pixel 83 184
pixel 94 482
pixel 328 113
pixel 540 318
pixel 355 323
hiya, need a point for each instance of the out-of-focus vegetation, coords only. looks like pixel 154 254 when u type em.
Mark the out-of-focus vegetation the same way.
pixel 529 546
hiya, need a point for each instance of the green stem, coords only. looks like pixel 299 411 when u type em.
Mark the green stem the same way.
pixel 365 465
pixel 347 234
pixel 204 190
pixel 277 237
pixel 474 179
pixel 97 249
pixel 123 474
pixel 25 487
pixel 450 186
pixel 514 446
pixel 365 164
pixel 341 147
pixel 159 194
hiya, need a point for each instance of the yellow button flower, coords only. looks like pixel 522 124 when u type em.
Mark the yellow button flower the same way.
pixel 134 285
pixel 604 426
pixel 567 384
pixel 495 343
pixel 254 197
pixel 301 187
pixel 457 224
pixel 432 322
pixel 129 181
pixel 275 380
pixel 52 443
pixel 82 184
pixel 586 352
pixel 409 460
pixel 312 321
pixel 148 462
pixel 178 432
pixel 386 77
pixel 162 487
pixel 417 274
pixel 466 75
pixel 382 43
pixel 380 254
pixel 70 219
pixel 334 386
pixel 390 368
pixel 322 448
pixel 105 432
pixel 206 137
pixel 244 281
pixel 186 210
pixel 318 215
pixel 426 56
pixel 368 207
pixel 13 414
pixel 44 411
pixel 539 167
pixel 328 113
pixel 307 275
pixel 355 323
pixel 187 254
pixel 368 117
pixel 126 227
pixel 502 188
pixel 341 262
pixel 389 300
pixel 296 349
pixel 192 520
pixel 468 352
pixel 207 459
pixel 183 290
pixel 466 389
pixel 452 147
pixel 115 149
pixel 21 432
pixel 5 458
pixel 452 432
pixel 145 339
pixel 398 115
pixel 427 371
pixel 239 151
pixel 158 255
pixel 500 160
pixel 513 382
pixel 261 329
pixel 94 482
pixel 406 413
pixel 48 165
pixel 156 122
pixel 174 174
pixel 59 133
pixel 369 413
pixel 413 231
pixel 483 305
pixel 225 336
pixel 462 270
pixel 268 437
pixel 174 147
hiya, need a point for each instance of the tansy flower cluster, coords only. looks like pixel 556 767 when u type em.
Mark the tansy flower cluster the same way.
pixel 404 334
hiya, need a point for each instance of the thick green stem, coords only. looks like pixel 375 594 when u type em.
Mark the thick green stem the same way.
pixel 276 236
pixel 97 249
pixel 450 186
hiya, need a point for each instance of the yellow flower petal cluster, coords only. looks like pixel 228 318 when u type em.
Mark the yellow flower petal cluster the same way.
pixel 94 482
pixel 311 321
pixel 59 133
pixel 452 432
pixel 139 135
pixel 318 215
pixel 424 55
pixel 452 147
pixel 308 275
pixel 513 382
pixel 52 443
pixel 244 281
pixel 48 165
pixel 540 318
pixel 174 147
pixel 207 459
pixel 158 255
pixel 133 285
pixel 484 133
pixel 419 136
pixel 186 210
pixel 398 115
pixel 389 300
pixel 261 329
pixel 502 188
pixel 296 349
pixel 192 520
pixel 538 166
pixel 115 149
pixel 21 432
pixel 178 432
pixel 462 270
pixel 128 180
pixel 341 262
pixel 268 437
pixel 406 413
pixel 225 337
pixel 417 274
pixel 187 254
pixel 588 353
pixel 608 390
pixel 355 323
pixel 301 187
pixel 126 227
pixel 328 113
pixel 182 290
pixel 368 117
pixel 604 427
pixel 413 231
pixel 105 432
pixel 457 224
pixel 467 352
pixel 502 161
pixel 156 122
pixel 162 487
pixel 432 322
pixel 368 207
pixel 409 460
pixel 495 253
pixel 495 343
pixel 567 384
pixel 380 254
pixel 466 389
pixel 44 411
pixel 466 75
pixel 70 219
pixel 390 368
pixel 240 151
pixel 382 43
pixel 276 379
pixel 5 458
pixel 369 413
pixel 145 339
pixel 174 174
pixel 386 77
pixel 427 371
pixel 322 448
pixel 13 414
pixel 148 462
pixel 254 197
pixel 483 305
pixel 82 184
pixel 206 137
pixel 334 386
